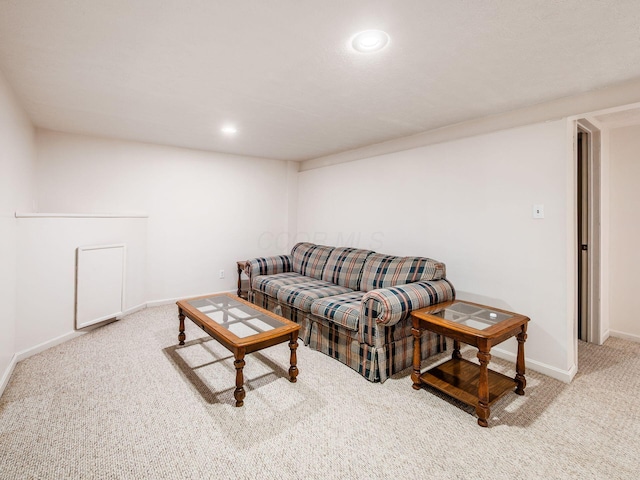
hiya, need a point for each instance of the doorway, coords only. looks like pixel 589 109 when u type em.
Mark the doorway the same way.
pixel 588 231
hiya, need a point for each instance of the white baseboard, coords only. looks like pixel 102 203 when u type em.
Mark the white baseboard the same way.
pixel 47 345
pixel 131 310
pixel 167 301
pixel 554 372
pixel 563 375
pixel 19 356
pixel 626 336
pixel 4 381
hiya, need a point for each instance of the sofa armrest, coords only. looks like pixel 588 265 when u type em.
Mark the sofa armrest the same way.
pixel 387 306
pixel 267 266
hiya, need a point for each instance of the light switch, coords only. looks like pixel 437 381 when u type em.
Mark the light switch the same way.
pixel 538 211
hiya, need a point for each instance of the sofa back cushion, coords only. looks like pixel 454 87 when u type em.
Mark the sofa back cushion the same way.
pixel 344 267
pixel 309 259
pixel 383 271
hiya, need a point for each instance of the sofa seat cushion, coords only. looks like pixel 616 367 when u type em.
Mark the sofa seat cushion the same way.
pixel 343 310
pixel 344 267
pixel 309 259
pixel 384 271
pixel 302 295
pixel 270 284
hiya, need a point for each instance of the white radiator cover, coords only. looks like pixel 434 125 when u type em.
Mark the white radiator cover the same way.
pixel 100 277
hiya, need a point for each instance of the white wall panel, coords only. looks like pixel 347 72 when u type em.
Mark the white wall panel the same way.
pixel 46 277
pixel 100 276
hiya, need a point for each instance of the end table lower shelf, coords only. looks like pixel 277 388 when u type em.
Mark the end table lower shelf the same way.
pixel 459 379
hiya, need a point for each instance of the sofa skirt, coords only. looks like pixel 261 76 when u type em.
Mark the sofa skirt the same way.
pixel 376 364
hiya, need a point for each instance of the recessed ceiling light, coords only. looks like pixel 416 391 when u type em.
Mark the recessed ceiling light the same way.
pixel 229 129
pixel 370 41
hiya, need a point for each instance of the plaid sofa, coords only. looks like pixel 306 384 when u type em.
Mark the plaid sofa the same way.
pixel 352 304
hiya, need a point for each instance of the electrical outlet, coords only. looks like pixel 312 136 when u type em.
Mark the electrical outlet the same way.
pixel 221 274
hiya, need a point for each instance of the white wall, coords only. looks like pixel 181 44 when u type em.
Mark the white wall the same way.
pixel 46 277
pixel 206 210
pixel 16 192
pixel 624 211
pixel 468 203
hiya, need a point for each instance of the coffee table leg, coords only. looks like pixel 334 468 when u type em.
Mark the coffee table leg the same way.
pixel 520 380
pixel 293 369
pixel 417 357
pixel 239 392
pixel 482 409
pixel 181 335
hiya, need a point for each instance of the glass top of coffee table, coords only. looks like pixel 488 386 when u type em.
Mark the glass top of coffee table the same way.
pixel 237 317
pixel 474 316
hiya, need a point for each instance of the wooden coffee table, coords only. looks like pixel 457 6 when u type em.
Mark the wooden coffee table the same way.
pixel 241 327
pixel 482 327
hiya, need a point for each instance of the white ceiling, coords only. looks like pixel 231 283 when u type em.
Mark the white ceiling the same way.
pixel 174 71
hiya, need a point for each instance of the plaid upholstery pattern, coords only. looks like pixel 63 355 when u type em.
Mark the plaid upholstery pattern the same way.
pixel 383 271
pixel 264 301
pixel 373 363
pixel 271 304
pixel 344 267
pixel 343 310
pixel 395 303
pixel 270 284
pixel 309 259
pixel 302 295
pixel 267 266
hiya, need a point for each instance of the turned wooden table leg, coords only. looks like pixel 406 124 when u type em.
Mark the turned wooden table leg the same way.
pixel 181 335
pixel 239 363
pixel 482 409
pixel 456 350
pixel 520 380
pixel 417 357
pixel 293 369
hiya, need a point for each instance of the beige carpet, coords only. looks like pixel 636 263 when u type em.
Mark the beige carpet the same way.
pixel 124 402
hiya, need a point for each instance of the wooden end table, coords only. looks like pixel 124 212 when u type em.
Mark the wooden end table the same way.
pixel 241 327
pixel 482 327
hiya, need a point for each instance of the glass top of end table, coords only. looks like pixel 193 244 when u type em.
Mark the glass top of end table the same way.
pixel 471 315
pixel 235 316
